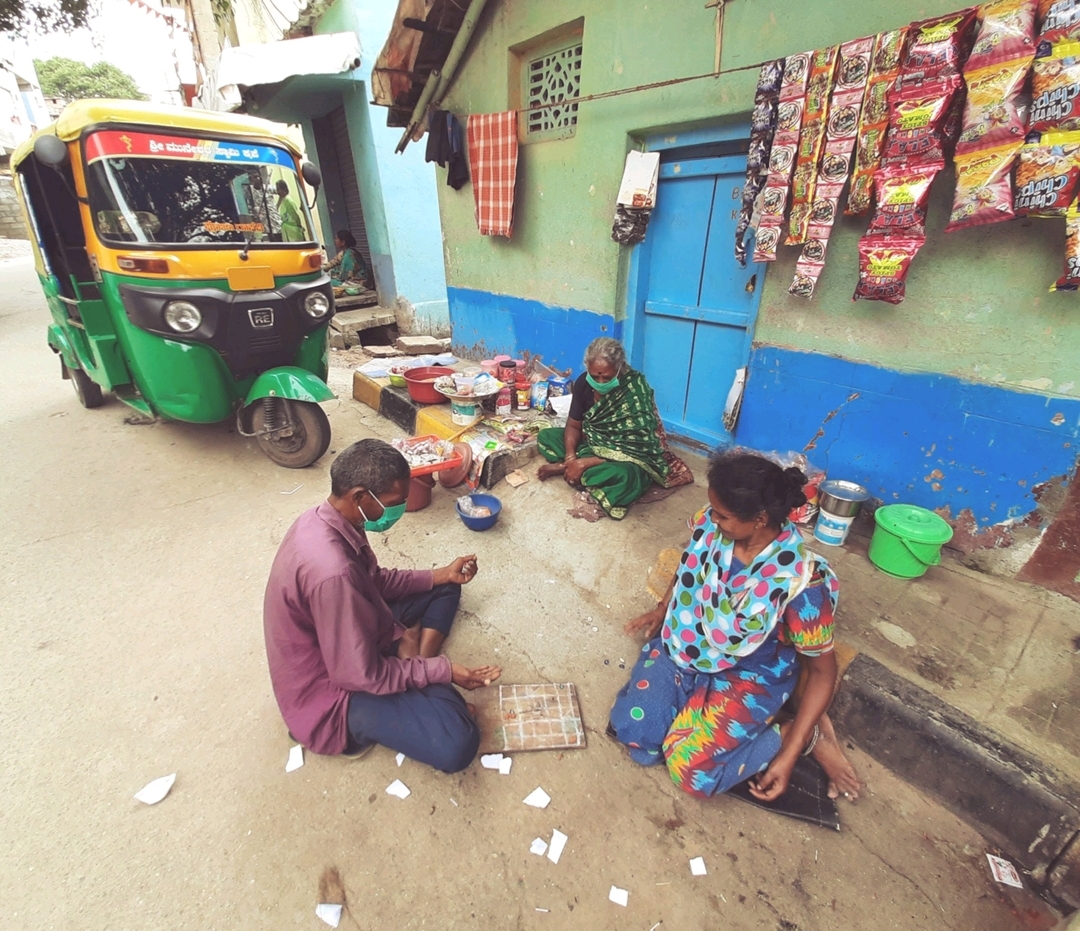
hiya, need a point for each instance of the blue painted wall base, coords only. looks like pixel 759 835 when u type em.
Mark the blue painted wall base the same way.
pixel 486 324
pixel 931 440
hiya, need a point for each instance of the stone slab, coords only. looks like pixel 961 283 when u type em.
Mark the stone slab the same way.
pixel 367 390
pixel 421 345
pixel 355 321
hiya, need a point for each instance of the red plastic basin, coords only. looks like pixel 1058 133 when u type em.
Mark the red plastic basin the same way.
pixel 421 383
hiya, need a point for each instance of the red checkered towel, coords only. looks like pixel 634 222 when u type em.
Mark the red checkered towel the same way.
pixel 493 158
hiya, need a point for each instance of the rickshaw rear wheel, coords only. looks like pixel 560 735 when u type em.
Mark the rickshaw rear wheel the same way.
pixel 88 391
pixel 309 437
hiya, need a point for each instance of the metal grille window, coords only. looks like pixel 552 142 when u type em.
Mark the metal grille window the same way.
pixel 552 82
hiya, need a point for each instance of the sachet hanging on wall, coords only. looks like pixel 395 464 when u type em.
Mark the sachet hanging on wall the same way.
pixel 762 130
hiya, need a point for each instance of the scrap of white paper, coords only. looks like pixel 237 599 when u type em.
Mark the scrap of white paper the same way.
pixel 1004 872
pixel 545 910
pixel 491 760
pixel 538 798
pixel 619 896
pixel 398 788
pixel 697 866
pixel 558 842
pixel 400 758
pixel 504 766
pixel 538 846
pixel 331 914
pixel 154 792
pixel 296 759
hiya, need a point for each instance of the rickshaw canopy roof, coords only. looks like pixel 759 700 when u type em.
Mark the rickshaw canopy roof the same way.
pixel 80 114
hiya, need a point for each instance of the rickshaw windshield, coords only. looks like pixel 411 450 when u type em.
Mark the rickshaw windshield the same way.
pixel 173 190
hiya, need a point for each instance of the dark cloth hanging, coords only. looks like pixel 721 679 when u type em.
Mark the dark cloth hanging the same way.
pixel 446 147
pixel 630 224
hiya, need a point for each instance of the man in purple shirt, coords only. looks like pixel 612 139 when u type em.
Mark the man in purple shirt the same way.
pixel 353 648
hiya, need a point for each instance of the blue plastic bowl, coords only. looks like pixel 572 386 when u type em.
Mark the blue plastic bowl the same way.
pixel 481 523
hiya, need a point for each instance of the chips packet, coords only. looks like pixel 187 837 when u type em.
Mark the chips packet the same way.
pixel 902 196
pixel 1046 175
pixel 1006 31
pixel 994 113
pixel 937 48
pixel 1070 281
pixel 883 266
pixel 916 117
pixel 1055 90
pixel 1060 21
pixel 984 191
pixel 811 141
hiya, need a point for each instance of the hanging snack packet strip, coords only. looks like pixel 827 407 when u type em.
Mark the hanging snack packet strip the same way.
pixel 902 196
pixel 1070 281
pixel 811 141
pixel 789 115
pixel 1006 32
pixel 937 48
pixel 1047 174
pixel 883 266
pixel 995 114
pixel 1055 90
pixel 984 191
pixel 845 108
pixel 1060 21
pixel 917 115
pixel 762 128
pixel 874 122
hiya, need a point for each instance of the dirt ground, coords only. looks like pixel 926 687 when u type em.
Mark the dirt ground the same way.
pixel 132 565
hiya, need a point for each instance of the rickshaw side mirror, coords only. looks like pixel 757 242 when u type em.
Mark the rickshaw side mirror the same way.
pixel 312 176
pixel 50 151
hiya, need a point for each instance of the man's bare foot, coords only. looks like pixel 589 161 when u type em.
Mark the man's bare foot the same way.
pixel 842 776
pixel 550 470
pixel 471 708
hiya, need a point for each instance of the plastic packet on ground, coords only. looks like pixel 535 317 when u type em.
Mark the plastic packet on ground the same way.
pixel 469 509
pixel 1046 175
pixel 984 191
pixel 883 266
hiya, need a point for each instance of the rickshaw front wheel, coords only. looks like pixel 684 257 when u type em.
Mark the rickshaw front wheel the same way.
pixel 292 433
pixel 88 391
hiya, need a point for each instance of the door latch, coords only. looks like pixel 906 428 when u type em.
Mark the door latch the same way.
pixel 751 285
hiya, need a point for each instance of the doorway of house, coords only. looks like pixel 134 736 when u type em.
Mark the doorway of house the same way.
pixel 695 305
pixel 339 178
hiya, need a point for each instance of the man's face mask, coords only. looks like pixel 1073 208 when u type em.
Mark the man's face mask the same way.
pixel 390 516
pixel 602 386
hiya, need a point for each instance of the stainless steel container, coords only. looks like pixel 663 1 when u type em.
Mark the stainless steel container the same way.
pixel 840 498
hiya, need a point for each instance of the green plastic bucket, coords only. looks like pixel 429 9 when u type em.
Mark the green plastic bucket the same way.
pixel 907 540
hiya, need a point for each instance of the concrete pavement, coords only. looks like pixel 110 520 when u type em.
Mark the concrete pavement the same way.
pixel 132 565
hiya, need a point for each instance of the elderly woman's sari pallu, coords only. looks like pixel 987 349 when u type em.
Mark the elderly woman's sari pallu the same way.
pixel 623 428
pixel 704 694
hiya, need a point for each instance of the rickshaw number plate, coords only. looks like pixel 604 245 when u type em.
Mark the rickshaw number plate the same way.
pixel 262 318
pixel 251 278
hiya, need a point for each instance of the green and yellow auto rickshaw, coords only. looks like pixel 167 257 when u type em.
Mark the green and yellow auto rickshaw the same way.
pixel 171 278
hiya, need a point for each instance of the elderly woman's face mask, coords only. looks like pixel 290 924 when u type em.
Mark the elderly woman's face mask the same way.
pixel 602 376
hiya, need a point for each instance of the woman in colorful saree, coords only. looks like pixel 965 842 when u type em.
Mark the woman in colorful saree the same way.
pixel 614 442
pixel 347 267
pixel 748 600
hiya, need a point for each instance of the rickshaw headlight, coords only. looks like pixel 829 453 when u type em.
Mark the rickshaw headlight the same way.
pixel 316 304
pixel 182 316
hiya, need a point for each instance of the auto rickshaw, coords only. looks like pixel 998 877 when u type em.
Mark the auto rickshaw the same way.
pixel 172 280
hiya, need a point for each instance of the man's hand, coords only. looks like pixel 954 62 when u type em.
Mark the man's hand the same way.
pixel 460 571
pixel 647 624
pixel 773 783
pixel 473 678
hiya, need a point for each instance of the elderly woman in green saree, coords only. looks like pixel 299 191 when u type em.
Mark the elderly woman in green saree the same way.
pixel 613 443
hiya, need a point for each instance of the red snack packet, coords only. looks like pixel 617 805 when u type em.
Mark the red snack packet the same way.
pixel 1047 174
pixel 994 114
pixel 915 122
pixel 983 187
pixel 883 266
pixel 1006 31
pixel 1060 21
pixel 1070 281
pixel 1055 90
pixel 937 47
pixel 902 197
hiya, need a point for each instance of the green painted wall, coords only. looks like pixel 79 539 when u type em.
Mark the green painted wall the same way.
pixel 978 305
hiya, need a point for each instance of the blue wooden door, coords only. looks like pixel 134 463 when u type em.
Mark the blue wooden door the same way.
pixel 700 305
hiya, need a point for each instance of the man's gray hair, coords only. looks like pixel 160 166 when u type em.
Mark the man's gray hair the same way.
pixel 606 349
pixel 370 464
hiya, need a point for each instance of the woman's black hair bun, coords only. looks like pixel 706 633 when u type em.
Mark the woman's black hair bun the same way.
pixel 796 482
